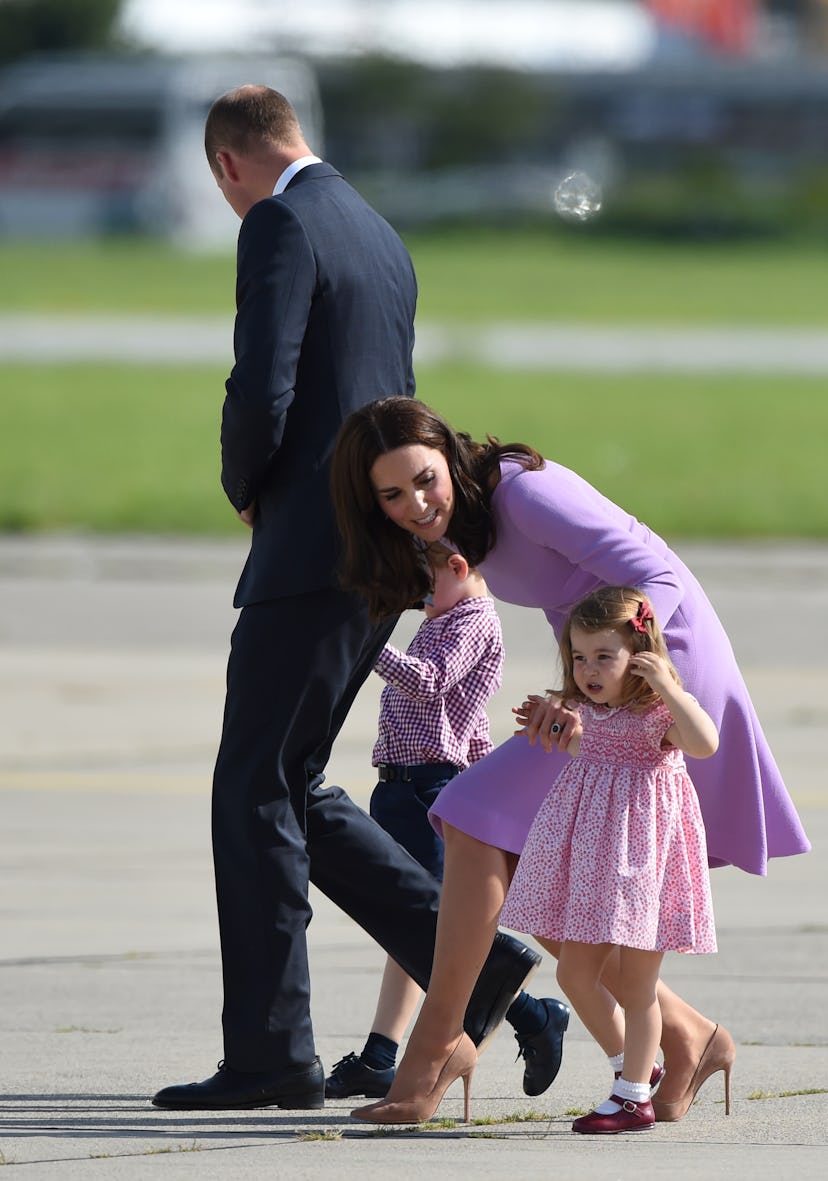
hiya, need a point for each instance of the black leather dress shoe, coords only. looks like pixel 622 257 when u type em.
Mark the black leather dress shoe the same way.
pixel 299 1087
pixel 542 1052
pixel 508 966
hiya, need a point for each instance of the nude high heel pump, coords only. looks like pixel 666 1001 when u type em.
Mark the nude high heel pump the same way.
pixel 459 1064
pixel 719 1054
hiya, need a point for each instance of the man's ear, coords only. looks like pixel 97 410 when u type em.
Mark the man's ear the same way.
pixel 459 567
pixel 226 162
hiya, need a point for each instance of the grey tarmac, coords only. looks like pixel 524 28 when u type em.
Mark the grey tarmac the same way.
pixel 113 656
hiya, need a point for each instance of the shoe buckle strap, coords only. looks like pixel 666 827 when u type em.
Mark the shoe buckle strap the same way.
pixel 629 1106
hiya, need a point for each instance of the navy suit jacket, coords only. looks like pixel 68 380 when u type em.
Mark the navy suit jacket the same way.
pixel 325 300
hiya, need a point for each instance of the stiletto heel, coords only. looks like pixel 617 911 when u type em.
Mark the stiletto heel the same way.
pixel 719 1054
pixel 416 1108
pixel 467 1078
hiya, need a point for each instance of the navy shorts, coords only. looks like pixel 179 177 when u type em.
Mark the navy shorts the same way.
pixel 401 808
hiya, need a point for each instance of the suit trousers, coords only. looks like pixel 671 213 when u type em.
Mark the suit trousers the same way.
pixel 295 667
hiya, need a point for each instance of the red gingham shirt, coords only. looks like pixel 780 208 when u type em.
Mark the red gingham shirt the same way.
pixel 433 707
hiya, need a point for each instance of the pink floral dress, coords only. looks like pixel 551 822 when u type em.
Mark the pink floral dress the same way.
pixel 617 852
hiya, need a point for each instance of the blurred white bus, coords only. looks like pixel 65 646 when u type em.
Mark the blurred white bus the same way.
pixel 91 146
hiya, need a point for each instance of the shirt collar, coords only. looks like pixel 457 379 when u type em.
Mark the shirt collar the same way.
pixel 291 170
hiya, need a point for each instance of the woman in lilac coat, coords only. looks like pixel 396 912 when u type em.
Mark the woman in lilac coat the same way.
pixel 542 537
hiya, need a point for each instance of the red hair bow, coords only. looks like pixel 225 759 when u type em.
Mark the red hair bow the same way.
pixel 639 621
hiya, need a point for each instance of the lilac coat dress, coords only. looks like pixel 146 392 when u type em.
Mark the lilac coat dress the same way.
pixel 558 539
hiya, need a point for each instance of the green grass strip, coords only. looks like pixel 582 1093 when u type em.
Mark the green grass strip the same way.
pixel 112 448
pixel 465 275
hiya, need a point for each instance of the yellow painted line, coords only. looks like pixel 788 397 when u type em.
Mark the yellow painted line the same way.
pixel 148 782
pixel 98 781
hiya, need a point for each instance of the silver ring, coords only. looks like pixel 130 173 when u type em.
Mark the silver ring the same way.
pixel 556 729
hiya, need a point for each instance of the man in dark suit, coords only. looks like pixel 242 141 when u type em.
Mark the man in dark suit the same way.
pixel 325 298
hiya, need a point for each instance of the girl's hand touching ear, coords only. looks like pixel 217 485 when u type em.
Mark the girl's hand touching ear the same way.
pixel 652 669
pixel 693 730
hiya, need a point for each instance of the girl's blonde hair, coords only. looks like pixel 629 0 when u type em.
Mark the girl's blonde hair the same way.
pixel 625 610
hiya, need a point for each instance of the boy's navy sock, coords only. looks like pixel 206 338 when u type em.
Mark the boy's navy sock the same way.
pixel 379 1052
pixel 526 1015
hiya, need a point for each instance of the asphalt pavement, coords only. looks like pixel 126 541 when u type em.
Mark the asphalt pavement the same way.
pixel 181 340
pixel 113 655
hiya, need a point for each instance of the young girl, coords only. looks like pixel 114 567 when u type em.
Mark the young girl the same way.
pixel 616 857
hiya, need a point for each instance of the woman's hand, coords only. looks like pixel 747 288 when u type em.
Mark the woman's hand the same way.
pixel 549 721
pixel 525 711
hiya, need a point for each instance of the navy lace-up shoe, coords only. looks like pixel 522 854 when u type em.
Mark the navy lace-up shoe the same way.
pixel 350 1076
pixel 543 1051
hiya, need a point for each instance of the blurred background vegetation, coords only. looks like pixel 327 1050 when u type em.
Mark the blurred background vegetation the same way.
pixel 48 26
pixel 711 154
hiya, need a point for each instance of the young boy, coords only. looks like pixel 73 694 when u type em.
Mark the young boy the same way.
pixel 432 725
pixel 432 721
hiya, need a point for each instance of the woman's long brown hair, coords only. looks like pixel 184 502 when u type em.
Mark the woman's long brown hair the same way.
pixel 380 560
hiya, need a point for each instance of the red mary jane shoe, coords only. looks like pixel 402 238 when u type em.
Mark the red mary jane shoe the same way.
pixel 632 1117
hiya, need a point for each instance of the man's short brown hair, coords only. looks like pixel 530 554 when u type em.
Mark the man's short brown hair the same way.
pixel 248 118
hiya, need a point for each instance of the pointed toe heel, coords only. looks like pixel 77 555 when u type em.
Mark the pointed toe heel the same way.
pixel 415 1109
pixel 719 1054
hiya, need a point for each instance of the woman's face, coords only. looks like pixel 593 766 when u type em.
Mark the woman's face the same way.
pixel 413 488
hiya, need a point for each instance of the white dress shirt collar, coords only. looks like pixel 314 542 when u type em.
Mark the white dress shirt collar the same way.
pixel 291 170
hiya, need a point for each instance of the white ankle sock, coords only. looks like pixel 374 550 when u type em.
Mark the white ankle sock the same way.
pixel 635 1092
pixel 616 1062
